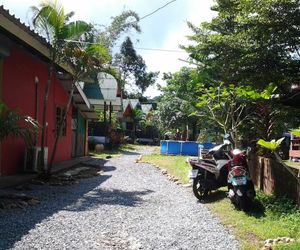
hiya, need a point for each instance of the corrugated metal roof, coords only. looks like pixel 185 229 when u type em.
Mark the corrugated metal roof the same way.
pixel 135 103
pixel 23 33
pixel 146 108
pixel 23 26
pixel 108 86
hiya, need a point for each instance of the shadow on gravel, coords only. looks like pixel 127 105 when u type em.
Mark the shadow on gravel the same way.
pixel 108 168
pixel 108 197
pixel 15 223
pixel 130 153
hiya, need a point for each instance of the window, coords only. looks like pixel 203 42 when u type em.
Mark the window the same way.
pixel 60 113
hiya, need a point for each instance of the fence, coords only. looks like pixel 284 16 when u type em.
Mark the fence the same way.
pixel 271 177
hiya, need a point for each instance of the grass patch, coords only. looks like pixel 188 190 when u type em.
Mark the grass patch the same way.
pixel 270 217
pixel 175 165
pixel 127 148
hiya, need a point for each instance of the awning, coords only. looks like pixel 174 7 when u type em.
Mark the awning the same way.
pixel 103 91
pixel 82 103
pixel 99 104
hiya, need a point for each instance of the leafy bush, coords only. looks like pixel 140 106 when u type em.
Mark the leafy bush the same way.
pixel 14 124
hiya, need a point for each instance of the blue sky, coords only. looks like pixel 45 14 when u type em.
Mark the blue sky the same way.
pixel 164 30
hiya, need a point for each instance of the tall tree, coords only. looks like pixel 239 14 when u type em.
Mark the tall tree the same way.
pixel 133 67
pixel 250 42
pixel 121 24
pixel 86 59
pixel 229 107
pixel 85 63
pixel 177 104
pixel 50 19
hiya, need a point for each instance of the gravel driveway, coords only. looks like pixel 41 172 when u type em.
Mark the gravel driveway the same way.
pixel 130 206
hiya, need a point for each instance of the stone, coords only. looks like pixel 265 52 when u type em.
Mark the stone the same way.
pixel 267 247
pixel 187 185
pixel 138 159
pixel 99 148
pixel 163 171
pixel 269 241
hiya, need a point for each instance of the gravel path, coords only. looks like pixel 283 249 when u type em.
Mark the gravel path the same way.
pixel 131 206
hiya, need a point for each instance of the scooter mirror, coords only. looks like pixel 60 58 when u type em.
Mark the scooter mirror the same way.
pixel 226 142
pixel 236 151
pixel 226 136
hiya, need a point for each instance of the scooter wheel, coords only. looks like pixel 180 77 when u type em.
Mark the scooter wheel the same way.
pixel 199 189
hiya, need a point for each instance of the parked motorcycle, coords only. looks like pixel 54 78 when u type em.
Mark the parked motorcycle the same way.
pixel 210 174
pixel 240 187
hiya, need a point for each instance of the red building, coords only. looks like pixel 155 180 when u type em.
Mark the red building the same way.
pixel 24 63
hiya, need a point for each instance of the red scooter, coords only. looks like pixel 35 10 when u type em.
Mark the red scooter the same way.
pixel 241 190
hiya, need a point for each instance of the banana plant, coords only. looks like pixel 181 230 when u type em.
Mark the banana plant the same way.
pixel 272 145
pixel 296 132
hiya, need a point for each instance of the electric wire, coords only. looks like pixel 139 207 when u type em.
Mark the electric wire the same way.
pixel 139 48
pixel 158 9
pixel 152 49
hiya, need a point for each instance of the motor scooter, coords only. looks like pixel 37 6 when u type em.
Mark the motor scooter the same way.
pixel 210 174
pixel 241 190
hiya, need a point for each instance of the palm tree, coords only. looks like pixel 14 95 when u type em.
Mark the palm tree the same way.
pixel 85 58
pixel 50 20
pixel 84 62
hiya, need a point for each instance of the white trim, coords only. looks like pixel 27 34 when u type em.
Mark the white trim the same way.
pixel 77 84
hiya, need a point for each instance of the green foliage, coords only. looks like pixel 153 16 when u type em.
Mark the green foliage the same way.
pixel 296 132
pixel 182 84
pixel 175 165
pixel 174 112
pixel 13 124
pixel 49 19
pixel 177 105
pixel 120 25
pixel 114 118
pixel 250 47
pixel 271 145
pixel 268 120
pixel 133 67
pixel 138 115
pixel 228 107
pixel 251 42
pixel 284 209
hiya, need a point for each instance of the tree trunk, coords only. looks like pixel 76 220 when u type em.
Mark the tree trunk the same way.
pixel 60 131
pixel 44 122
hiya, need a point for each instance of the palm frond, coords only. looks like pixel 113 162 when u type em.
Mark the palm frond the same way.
pixel 75 30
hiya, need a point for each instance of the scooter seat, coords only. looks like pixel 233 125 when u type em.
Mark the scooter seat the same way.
pixel 209 161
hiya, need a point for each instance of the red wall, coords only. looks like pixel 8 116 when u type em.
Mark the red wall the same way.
pixel 19 72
